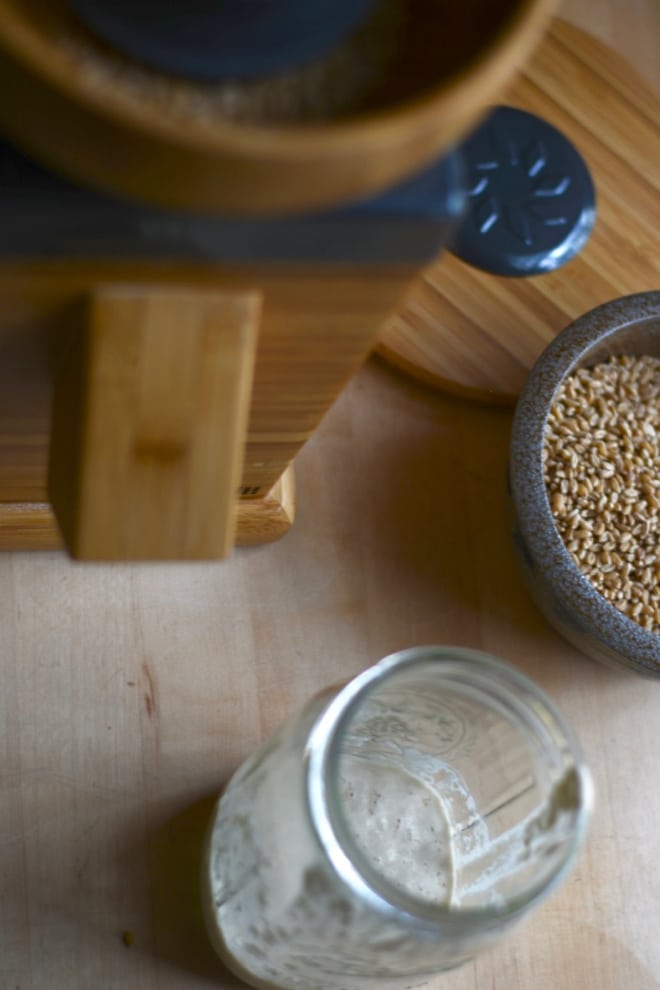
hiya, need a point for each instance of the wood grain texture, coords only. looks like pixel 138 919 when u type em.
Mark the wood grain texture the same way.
pixel 262 520
pixel 98 126
pixel 478 334
pixel 149 420
pixel 130 693
pixel 33 526
pixel 28 526
pixel 316 329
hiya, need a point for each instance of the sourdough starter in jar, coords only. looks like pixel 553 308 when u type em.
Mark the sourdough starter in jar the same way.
pixel 280 918
pixel 400 825
pixel 394 828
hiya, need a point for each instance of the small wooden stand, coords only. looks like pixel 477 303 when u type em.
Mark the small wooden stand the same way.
pixel 152 391
pixel 119 428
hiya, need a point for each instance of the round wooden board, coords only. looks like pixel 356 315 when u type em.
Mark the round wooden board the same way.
pixel 466 331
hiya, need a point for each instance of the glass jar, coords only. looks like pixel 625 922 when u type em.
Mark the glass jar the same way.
pixel 395 827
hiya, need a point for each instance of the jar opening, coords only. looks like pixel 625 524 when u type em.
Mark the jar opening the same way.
pixel 444 785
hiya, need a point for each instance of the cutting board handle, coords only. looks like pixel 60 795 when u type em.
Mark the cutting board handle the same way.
pixel 150 413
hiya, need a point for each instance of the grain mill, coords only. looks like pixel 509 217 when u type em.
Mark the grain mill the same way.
pixel 209 211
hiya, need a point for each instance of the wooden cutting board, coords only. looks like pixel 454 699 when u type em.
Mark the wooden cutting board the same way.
pixel 466 331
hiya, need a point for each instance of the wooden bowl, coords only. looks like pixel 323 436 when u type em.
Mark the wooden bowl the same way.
pixel 84 109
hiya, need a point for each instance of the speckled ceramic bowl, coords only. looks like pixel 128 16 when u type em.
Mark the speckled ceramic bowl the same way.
pixel 569 601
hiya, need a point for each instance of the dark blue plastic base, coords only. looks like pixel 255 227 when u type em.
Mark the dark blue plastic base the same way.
pixel 47 216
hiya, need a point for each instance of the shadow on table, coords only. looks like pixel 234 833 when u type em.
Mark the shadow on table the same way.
pixel 175 856
pixel 437 530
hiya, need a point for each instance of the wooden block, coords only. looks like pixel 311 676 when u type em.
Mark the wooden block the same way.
pixel 316 329
pixel 149 421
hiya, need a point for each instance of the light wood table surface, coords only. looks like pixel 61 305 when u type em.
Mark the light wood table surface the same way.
pixel 130 693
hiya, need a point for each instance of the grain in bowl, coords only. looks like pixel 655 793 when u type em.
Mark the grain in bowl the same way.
pixel 601 464
pixel 583 477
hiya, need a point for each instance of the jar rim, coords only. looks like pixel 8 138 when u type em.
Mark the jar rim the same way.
pixel 343 854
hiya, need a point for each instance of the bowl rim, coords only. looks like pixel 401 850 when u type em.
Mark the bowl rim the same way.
pixel 639 646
